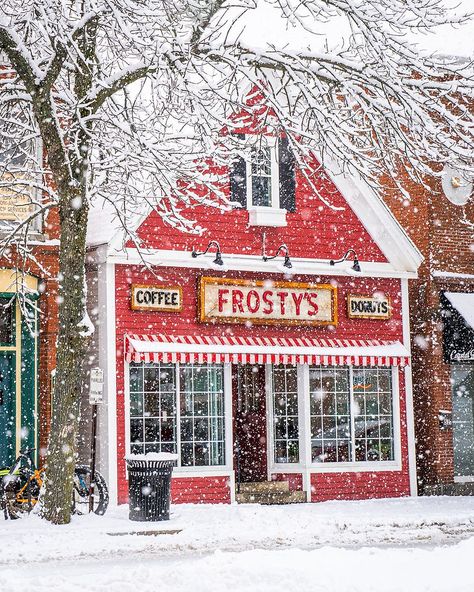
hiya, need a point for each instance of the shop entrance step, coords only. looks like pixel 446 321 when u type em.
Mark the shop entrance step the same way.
pixel 269 493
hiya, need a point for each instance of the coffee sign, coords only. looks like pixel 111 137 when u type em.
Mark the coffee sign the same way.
pixel 368 307
pixel 157 298
pixel 266 302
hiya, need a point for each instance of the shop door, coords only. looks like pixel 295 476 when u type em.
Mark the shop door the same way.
pixel 463 419
pixel 250 430
pixel 7 408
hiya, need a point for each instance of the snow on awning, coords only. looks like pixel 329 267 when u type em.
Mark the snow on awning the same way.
pixel 264 350
pixel 464 304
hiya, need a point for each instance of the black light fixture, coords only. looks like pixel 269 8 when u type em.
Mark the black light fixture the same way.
pixel 217 260
pixel 287 262
pixel 355 265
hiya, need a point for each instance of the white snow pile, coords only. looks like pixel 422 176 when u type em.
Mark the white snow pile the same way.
pixel 392 545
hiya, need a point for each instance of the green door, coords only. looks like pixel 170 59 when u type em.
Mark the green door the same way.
pixel 7 408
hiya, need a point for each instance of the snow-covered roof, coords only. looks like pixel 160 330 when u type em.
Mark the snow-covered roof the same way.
pixel 464 304
pixel 102 224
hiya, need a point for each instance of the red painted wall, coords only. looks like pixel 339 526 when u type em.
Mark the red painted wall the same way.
pixel 140 322
pixel 203 490
pixel 314 230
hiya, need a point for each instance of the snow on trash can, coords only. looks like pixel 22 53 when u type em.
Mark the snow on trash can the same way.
pixel 149 485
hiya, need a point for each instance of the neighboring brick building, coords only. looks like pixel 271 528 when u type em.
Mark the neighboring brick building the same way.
pixel 28 287
pixel 442 334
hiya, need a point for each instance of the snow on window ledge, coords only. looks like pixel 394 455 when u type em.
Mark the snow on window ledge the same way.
pixel 265 216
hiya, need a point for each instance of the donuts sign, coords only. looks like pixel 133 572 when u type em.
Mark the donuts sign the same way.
pixel 224 300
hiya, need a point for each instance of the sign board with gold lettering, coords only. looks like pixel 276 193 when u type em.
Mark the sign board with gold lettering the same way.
pixel 15 202
pixel 369 307
pixel 223 300
pixel 157 298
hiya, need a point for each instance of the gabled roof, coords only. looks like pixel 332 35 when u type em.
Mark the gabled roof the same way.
pixel 104 228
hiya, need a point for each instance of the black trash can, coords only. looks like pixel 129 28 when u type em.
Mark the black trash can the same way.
pixel 149 485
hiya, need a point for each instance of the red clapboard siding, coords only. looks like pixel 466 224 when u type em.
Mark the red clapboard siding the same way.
pixel 200 490
pixel 192 490
pixel 142 322
pixel 345 486
pixel 314 230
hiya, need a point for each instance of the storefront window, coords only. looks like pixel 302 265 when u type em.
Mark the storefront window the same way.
pixel 462 379
pixel 153 408
pixel 155 415
pixel 285 406
pixel 202 415
pixel 351 414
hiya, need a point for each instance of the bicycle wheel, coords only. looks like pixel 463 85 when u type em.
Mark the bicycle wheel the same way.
pixel 82 483
pixel 20 494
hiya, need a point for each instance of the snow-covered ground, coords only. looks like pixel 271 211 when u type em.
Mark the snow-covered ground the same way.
pixel 409 545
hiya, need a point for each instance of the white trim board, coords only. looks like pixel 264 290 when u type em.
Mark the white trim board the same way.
pixel 253 263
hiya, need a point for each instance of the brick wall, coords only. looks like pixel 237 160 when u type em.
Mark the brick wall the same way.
pixel 444 233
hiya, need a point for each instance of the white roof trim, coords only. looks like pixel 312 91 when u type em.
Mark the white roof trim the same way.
pixel 239 262
pixel 377 219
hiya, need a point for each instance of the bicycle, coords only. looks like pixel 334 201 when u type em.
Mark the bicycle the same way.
pixel 20 486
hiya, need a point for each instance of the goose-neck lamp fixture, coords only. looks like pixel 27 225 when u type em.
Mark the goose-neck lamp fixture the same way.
pixel 355 265
pixel 217 260
pixel 284 248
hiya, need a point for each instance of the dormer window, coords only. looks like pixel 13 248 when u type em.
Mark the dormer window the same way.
pixel 262 176
pixel 264 183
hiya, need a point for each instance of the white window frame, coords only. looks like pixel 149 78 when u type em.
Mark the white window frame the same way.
pixel 266 142
pixel 201 471
pixel 271 215
pixel 367 466
pixel 304 415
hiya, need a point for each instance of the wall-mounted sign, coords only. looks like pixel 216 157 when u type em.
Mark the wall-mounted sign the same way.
pixel 266 302
pixel 461 356
pixel 445 420
pixel 368 307
pixel 159 298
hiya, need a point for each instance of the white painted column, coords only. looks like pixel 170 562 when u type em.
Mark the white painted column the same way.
pixel 107 425
pixel 410 415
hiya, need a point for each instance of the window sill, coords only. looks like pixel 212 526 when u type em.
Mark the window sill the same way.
pixel 263 216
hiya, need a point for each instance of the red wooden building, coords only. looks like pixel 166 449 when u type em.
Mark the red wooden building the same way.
pixel 260 361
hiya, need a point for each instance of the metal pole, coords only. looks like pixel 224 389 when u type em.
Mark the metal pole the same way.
pixel 93 451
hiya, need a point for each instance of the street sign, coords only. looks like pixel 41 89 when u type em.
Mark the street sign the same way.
pixel 96 386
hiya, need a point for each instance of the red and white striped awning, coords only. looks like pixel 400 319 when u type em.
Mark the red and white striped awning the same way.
pixel 264 350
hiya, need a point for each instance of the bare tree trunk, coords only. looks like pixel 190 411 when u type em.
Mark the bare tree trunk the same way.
pixel 71 350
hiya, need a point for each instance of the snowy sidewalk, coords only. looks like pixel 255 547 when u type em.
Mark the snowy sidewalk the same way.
pixel 398 545
pixel 429 521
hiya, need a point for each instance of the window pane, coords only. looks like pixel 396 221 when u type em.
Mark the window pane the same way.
pixel 285 405
pixel 152 408
pixel 330 419
pixel 261 171
pixel 202 415
pixel 7 332
pixel 373 416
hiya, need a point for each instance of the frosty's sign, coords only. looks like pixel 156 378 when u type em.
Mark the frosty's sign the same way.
pixel 241 301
